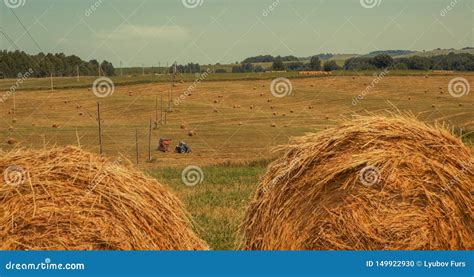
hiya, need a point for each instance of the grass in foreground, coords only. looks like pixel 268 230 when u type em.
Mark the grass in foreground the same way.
pixel 218 204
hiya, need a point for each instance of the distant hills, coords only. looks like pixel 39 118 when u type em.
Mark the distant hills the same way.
pixel 343 57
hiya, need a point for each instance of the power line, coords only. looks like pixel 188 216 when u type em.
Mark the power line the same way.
pixel 9 39
pixel 26 30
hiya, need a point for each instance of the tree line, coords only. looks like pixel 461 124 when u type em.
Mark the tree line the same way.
pixel 13 63
pixel 451 61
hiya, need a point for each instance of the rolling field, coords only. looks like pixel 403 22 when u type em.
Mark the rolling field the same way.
pixel 236 124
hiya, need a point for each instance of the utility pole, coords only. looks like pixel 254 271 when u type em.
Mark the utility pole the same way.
pixel 136 142
pixel 52 85
pixel 77 72
pixel 149 142
pixel 156 112
pixel 100 128
pixel 161 120
pixel 121 69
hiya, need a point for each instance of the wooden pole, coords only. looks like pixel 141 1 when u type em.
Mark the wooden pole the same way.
pixel 149 142
pixel 161 120
pixel 78 140
pixel 77 73
pixel 14 102
pixel 156 112
pixel 52 85
pixel 100 128
pixel 136 143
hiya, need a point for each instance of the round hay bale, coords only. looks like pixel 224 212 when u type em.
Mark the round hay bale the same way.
pixel 373 183
pixel 68 199
pixel 273 125
pixel 191 133
pixel 215 101
pixel 14 120
pixel 55 126
pixel 12 141
pixel 182 126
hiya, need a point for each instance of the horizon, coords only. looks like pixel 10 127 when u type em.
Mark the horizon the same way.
pixel 144 33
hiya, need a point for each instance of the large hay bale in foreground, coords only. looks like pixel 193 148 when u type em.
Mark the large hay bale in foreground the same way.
pixel 65 198
pixel 373 183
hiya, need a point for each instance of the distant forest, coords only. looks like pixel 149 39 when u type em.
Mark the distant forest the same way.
pixel 17 62
pixel 452 61
pixel 43 65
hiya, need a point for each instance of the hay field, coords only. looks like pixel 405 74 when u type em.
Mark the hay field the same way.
pixel 226 131
pixel 232 138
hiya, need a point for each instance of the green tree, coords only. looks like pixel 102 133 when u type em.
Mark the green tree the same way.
pixel 278 64
pixel 331 66
pixel 314 64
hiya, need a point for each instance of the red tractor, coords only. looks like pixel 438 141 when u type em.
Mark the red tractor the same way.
pixel 164 145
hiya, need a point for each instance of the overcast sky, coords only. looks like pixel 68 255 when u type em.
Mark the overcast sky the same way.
pixel 150 32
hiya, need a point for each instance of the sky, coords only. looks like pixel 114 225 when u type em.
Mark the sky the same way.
pixel 156 32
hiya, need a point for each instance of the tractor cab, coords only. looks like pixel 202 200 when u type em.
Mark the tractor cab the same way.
pixel 182 148
pixel 163 145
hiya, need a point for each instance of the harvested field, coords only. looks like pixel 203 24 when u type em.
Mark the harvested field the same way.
pixel 217 138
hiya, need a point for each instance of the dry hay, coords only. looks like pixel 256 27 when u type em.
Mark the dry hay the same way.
pixel 65 198
pixel 12 141
pixel 373 183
